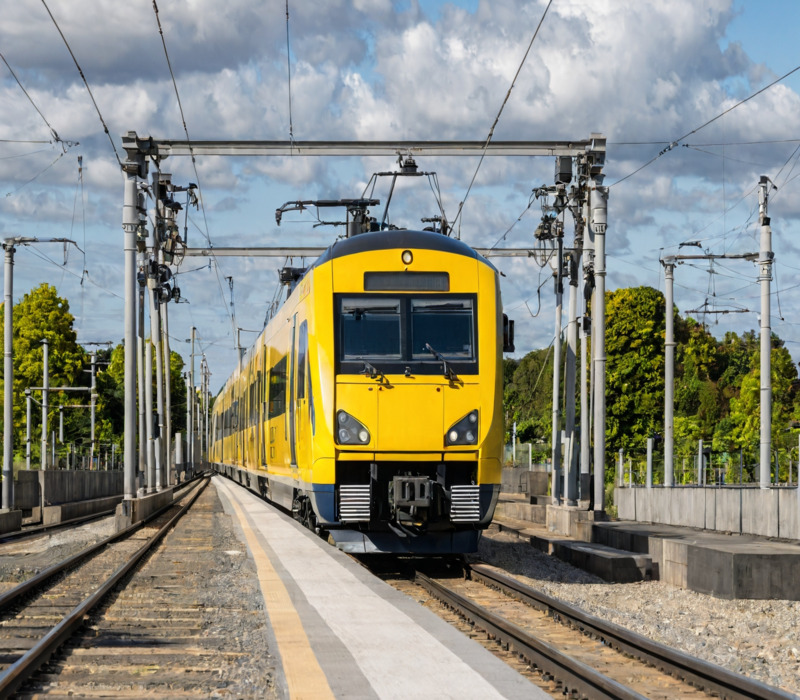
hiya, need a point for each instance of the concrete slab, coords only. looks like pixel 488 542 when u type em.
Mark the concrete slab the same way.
pixel 717 563
pixel 10 520
pixel 137 509
pixel 52 515
pixel 331 614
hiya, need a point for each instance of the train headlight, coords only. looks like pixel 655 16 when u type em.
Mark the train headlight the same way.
pixel 351 431
pixel 464 431
pixel 407 257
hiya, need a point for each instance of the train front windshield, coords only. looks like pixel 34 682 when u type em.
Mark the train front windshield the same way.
pixel 399 332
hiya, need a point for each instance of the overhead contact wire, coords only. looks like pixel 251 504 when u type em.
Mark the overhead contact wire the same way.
pixel 85 82
pixel 499 113
pixel 53 133
pixel 677 141
pixel 191 150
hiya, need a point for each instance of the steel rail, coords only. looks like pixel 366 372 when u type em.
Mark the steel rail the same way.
pixel 24 667
pixel 38 529
pixel 13 595
pixel 30 531
pixel 699 673
pixel 574 675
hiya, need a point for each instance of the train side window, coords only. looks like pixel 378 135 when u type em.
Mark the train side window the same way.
pixel 277 389
pixel 302 355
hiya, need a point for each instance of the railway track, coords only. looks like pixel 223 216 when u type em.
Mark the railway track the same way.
pixel 40 614
pixel 573 652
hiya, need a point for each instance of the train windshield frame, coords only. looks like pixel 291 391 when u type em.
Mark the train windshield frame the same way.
pixel 393 332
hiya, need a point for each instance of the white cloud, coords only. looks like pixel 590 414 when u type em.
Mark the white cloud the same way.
pixel 642 72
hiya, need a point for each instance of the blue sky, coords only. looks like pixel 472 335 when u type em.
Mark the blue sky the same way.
pixel 643 72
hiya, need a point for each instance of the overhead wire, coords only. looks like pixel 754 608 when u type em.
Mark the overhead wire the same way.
pixel 85 82
pixel 53 132
pixel 41 172
pixel 193 159
pixel 457 220
pixel 677 142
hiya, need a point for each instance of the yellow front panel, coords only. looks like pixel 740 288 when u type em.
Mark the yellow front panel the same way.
pixel 410 418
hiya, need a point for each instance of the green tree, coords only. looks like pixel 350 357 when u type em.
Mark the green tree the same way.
pixel 41 314
pixel 635 325
pixel 111 390
pixel 528 396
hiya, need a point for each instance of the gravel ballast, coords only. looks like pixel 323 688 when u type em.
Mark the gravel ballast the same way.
pixel 757 638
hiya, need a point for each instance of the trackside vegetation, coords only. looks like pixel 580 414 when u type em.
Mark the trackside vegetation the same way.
pixel 717 395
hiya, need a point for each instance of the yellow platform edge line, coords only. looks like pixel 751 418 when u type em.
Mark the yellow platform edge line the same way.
pixel 304 676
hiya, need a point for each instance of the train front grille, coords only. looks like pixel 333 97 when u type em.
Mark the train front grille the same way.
pixel 465 505
pixel 354 502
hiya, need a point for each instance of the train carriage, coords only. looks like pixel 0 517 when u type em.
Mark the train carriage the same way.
pixel 371 404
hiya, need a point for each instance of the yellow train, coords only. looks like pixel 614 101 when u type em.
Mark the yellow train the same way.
pixel 371 404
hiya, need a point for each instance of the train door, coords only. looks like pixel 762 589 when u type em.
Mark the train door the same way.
pixel 293 396
pixel 302 400
pixel 277 457
pixel 263 440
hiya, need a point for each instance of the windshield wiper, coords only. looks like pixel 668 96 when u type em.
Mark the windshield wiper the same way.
pixel 374 372
pixel 448 372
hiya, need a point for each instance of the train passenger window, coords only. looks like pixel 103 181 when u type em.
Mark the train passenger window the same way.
pixel 370 328
pixel 444 324
pixel 277 389
pixel 302 353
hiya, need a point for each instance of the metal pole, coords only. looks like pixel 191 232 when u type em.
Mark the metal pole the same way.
pixel 8 379
pixel 599 208
pixel 587 263
pixel 61 424
pixel 669 373
pixel 190 428
pixel 650 462
pixel 700 470
pixel 571 455
pixel 142 461
pixel 188 419
pixel 178 455
pixel 148 400
pixel 45 394
pixel 133 167
pixel 155 339
pixel 28 403
pixel 514 443
pixel 94 404
pixel 167 396
pixel 765 276
pixel 206 376
pixel 556 427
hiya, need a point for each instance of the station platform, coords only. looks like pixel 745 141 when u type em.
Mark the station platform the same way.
pixel 719 564
pixel 342 633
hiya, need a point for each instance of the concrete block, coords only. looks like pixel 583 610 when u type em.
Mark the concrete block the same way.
pixel 729 510
pixel 53 515
pixel 66 486
pixel 674 565
pixel 625 500
pixel 788 514
pixel 10 521
pixel 760 512
pixel 609 564
pixel 710 508
pixel 522 511
pixel 27 493
pixel 644 505
pixel 134 510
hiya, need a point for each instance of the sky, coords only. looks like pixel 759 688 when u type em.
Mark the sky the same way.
pixel 643 73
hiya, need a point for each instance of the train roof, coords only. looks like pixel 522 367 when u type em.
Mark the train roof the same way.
pixel 398 238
